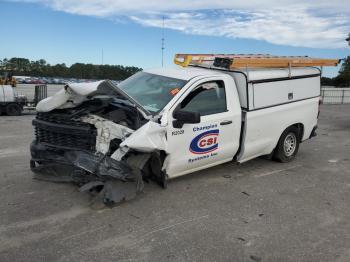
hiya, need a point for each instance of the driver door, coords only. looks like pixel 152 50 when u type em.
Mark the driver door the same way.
pixel 215 139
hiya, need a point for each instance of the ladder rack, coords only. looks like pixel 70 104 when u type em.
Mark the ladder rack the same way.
pixel 233 61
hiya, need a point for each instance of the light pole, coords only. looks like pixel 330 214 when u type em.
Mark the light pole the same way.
pixel 163 46
pixel 348 39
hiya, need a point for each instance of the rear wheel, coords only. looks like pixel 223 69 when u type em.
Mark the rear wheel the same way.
pixel 13 110
pixel 288 145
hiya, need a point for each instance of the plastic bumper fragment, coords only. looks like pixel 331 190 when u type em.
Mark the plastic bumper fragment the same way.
pixel 114 181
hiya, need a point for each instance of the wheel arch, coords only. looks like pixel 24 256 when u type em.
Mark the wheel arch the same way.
pixel 300 127
pixel 279 153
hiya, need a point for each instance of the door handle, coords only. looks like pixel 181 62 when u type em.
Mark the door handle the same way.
pixel 226 122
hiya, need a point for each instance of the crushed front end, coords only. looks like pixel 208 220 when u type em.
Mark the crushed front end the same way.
pixel 80 141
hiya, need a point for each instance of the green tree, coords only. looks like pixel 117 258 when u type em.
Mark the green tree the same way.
pixel 19 65
pixel 343 79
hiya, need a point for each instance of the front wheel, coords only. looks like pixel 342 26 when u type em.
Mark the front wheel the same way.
pixel 288 145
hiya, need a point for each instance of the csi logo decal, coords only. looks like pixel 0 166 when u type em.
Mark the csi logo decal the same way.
pixel 205 142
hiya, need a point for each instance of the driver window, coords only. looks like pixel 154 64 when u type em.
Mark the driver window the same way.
pixel 208 98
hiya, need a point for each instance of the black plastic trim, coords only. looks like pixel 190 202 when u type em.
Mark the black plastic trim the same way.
pixel 313 132
pixel 283 79
pixel 246 86
pixel 63 128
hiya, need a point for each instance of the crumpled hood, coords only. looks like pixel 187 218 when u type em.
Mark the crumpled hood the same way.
pixel 70 96
pixel 85 89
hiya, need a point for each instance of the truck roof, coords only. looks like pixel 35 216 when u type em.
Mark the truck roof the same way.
pixel 182 73
pixel 252 73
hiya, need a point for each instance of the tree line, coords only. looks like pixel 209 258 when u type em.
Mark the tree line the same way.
pixel 342 79
pixel 40 68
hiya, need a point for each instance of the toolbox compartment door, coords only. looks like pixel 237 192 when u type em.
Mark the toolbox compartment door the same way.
pixel 273 93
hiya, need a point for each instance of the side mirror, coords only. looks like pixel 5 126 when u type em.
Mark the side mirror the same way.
pixel 185 117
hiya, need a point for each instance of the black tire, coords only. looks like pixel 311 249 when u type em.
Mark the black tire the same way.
pixel 13 110
pixel 288 145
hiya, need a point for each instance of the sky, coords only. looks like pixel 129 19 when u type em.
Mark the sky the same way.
pixel 129 32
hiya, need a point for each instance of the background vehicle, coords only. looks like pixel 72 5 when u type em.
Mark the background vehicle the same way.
pixel 10 103
pixel 170 122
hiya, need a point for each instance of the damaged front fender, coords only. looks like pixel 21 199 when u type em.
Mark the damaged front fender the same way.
pixel 148 138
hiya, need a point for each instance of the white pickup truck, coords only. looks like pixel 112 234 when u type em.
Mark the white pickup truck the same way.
pixel 164 123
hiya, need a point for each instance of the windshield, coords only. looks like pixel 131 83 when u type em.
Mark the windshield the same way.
pixel 151 91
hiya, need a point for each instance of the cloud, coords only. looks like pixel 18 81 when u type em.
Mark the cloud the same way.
pixel 293 27
pixel 109 7
pixel 304 23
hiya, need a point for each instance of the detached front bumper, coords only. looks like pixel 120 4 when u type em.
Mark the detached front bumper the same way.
pixel 114 180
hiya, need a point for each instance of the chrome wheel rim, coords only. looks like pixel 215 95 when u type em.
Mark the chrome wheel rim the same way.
pixel 290 143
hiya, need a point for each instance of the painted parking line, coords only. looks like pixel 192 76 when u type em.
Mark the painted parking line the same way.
pixel 277 171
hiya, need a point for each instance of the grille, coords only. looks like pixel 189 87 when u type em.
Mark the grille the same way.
pixel 59 131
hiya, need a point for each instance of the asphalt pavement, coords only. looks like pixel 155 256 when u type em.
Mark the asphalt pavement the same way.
pixel 258 211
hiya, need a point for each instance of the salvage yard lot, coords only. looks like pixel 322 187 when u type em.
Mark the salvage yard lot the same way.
pixel 258 211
